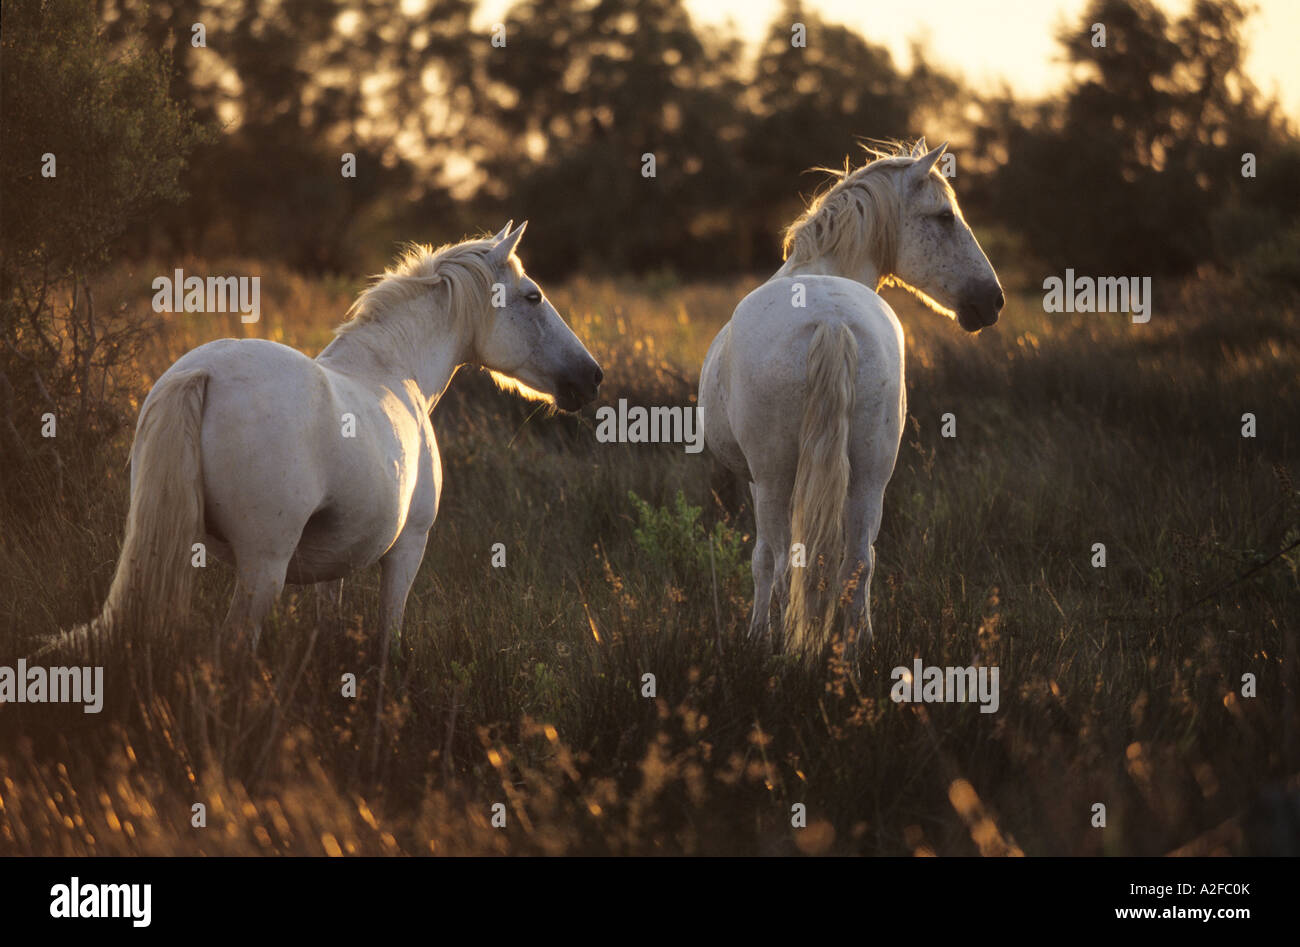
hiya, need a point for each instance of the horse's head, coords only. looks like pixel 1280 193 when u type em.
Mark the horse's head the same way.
pixel 937 255
pixel 525 343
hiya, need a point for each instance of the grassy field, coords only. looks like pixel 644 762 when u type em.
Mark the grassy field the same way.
pixel 522 685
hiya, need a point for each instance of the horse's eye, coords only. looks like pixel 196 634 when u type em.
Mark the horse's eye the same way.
pixel 947 216
pixel 534 297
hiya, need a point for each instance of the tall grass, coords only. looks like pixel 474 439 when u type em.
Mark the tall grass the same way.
pixel 524 685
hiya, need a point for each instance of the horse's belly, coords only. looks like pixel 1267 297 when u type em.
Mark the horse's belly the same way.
pixel 331 547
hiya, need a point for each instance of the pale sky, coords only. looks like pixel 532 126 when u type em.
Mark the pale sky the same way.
pixel 992 40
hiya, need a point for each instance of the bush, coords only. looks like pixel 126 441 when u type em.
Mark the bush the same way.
pixel 92 141
pixel 676 542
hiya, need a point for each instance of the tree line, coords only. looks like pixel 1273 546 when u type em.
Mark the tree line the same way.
pixel 1136 166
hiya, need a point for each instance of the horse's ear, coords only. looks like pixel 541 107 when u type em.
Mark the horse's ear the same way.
pixel 918 149
pixel 504 230
pixel 506 245
pixel 923 164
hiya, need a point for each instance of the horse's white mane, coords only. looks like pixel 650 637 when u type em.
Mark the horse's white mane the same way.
pixel 464 269
pixel 855 221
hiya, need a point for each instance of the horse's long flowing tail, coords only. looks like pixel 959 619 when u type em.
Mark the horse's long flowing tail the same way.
pixel 155 575
pixel 821 486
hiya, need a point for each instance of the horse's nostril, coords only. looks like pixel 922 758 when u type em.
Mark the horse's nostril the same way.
pixel 1001 300
pixel 597 376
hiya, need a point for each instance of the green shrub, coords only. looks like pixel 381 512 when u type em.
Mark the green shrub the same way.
pixel 676 542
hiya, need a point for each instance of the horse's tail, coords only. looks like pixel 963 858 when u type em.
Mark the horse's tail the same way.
pixel 821 485
pixel 154 577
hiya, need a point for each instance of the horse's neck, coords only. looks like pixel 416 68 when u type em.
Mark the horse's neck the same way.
pixel 869 276
pixel 403 345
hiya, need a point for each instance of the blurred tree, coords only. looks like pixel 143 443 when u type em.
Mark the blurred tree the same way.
pixel 1137 167
pixel 813 105
pixel 1134 171
pixel 297 85
pixel 581 93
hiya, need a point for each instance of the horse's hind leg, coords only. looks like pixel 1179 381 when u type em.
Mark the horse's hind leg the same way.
pixel 771 553
pixel 863 521
pixel 257 587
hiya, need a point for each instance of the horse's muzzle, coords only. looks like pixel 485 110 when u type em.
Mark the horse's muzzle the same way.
pixel 578 388
pixel 980 310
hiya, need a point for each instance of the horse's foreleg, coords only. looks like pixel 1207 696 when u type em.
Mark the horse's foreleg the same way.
pixel 397 572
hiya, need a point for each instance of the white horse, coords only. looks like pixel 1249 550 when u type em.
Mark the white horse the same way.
pixel 802 391
pixel 305 470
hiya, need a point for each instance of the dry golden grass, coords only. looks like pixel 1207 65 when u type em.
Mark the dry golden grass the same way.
pixel 522 686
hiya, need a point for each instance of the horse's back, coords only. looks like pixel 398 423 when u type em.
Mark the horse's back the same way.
pixel 263 398
pixel 256 366
pixel 250 351
pixel 787 310
pixel 766 369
